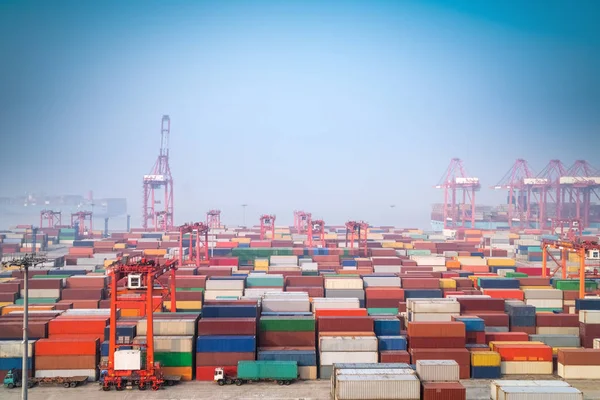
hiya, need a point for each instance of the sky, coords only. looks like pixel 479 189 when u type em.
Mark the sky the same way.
pixel 339 108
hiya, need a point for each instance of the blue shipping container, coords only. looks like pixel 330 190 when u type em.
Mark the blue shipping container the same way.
pixel 472 324
pixel 391 343
pixel 423 293
pixel 123 331
pixel 387 327
pixel 498 283
pixel 229 311
pixel 522 321
pixel 304 358
pixel 17 362
pixel 225 344
pixel 486 372
pixel 587 304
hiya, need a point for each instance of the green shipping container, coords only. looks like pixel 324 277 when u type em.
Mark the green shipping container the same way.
pixel 264 281
pixel 516 275
pixel 277 370
pixel 174 359
pixel 546 309
pixel 38 300
pixel 287 324
pixel 573 284
pixel 382 311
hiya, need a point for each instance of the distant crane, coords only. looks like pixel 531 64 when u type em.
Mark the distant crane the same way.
pixel 456 180
pixel 83 222
pixel 160 177
pixel 551 192
pixel 579 183
pixel 267 223
pixel 301 221
pixel 213 218
pixel 194 256
pixel 358 230
pixel 52 218
pixel 316 226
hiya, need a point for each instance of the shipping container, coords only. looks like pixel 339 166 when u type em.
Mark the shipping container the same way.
pixel 378 387
pixel 438 370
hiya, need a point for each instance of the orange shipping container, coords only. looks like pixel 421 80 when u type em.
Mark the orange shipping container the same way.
pixel 475 268
pixel 65 347
pixel 351 312
pixel 453 264
pixel 524 352
pixel 506 294
pixel 77 326
pixel 436 329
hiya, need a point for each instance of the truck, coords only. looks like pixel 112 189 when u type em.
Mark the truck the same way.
pixel 14 379
pixel 282 372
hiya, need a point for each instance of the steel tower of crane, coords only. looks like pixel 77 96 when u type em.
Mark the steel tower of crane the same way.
pixel 201 242
pixel 358 230
pixel 551 192
pixel 316 226
pixel 455 180
pixel 83 221
pixel 52 218
pixel 267 223
pixel 522 185
pixel 301 221
pixel 213 218
pixel 579 183
pixel 160 177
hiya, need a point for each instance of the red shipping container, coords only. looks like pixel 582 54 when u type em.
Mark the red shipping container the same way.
pixel 443 391
pixel 82 294
pixel 479 305
pixel 349 312
pixel 475 338
pixel 207 373
pixel 436 329
pixel 494 319
pixel 420 283
pixel 394 356
pixel 348 324
pixel 227 326
pixel 557 320
pixel 524 352
pixel 506 294
pixel 286 338
pixel 77 326
pixel 384 293
pixel 435 342
pixel 66 347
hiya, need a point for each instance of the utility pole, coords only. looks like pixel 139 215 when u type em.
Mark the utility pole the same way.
pixel 244 214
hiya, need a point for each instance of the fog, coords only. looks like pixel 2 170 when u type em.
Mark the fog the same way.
pixel 337 108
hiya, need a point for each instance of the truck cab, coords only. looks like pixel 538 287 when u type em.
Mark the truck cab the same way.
pixel 221 378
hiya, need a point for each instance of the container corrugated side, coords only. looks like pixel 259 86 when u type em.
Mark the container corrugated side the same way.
pixel 431 317
pixel 596 343
pixel 347 343
pixel 378 387
pixel 557 330
pixel 578 371
pixel 92 374
pixel 14 348
pixel 383 371
pixel 589 316
pixel 539 393
pixel 177 344
pixel 344 283
pixel 496 384
pixel 438 370
pixel 169 327
pixel 527 367
pixel 329 358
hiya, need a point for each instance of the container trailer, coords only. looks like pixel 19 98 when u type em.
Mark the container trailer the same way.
pixel 283 372
pixel 14 379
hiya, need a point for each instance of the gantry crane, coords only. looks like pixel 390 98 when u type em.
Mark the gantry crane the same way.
pixel 160 177
pixel 581 248
pixel 301 219
pixel 551 192
pixel 267 223
pixel 82 221
pixel 201 231
pixel 125 367
pixel 213 218
pixel 455 179
pixel 580 182
pixel 567 228
pixel 52 218
pixel 318 226
pixel 358 230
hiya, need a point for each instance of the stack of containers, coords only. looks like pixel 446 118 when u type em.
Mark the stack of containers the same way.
pixel 557 330
pixel 257 284
pixel 440 380
pixel 173 343
pixel 79 324
pixel 226 335
pixel 84 291
pixel 521 317
pixel 432 310
pixel 475 328
pixel 345 339
pixel 345 287
pixel 389 384
pixel 225 287
pixel 189 293
pixel 289 338
pixel 579 364
pixel 439 341
pixel 43 291
pixel 523 358
pixel 544 299
pixel 421 288
pixel 501 288
pixel 589 327
pixel 67 358
pixel 313 285
pixel 382 294
pixel 11 356
pixel 390 328
pixel 485 365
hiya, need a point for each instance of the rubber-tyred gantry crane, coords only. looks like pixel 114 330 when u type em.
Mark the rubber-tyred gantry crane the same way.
pixel 579 184
pixel 159 178
pixel 201 243
pixel 142 276
pixel 316 226
pixel 213 218
pixel 83 221
pixel 301 221
pixel 52 218
pixel 358 230
pixel 267 223
pixel 456 180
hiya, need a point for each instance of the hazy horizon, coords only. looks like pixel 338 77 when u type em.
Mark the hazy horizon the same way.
pixel 336 108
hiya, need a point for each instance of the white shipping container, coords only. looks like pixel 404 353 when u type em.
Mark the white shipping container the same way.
pixel 35 293
pixel 323 303
pixel 440 268
pixel 387 269
pixel 128 360
pixel 431 317
pixel 283 260
pixel 347 343
pixel 539 393
pixel 596 343
pixel 438 370
pixel 526 367
pixel 557 330
pixel 169 327
pixel 224 284
pixel 436 307
pixel 14 348
pixel 176 344
pixel 382 281
pixel 478 261
pixel 579 371
pixel 429 260
pixel 343 283
pixel 544 303
pixel 383 371
pixel 589 316
pixel 260 292
pixel 378 387
pixel 213 294
pixel 92 374
pixel 496 384
pixel 331 357
pixel 286 305
pixel 88 311
pixel 543 294
pixel 412 301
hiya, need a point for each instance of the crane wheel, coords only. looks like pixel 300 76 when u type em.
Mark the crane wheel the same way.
pixel 142 386
pixel 155 387
pixel 106 388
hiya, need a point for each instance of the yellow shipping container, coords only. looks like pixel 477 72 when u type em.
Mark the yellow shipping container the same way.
pixel 573 257
pixel 501 262
pixel 130 312
pixel 183 305
pixel 393 245
pixel 447 283
pixel 472 232
pixel 119 246
pixel 374 236
pixel 240 240
pixel 408 246
pixel 184 372
pixel 261 268
pixel 155 252
pixel 513 236
pixel 2 280
pixel 108 262
pixel 485 359
pixel 416 231
pixel 331 236
pixel 8 308
pixel 261 262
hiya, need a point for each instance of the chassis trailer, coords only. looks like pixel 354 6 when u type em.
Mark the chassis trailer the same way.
pixel 283 372
pixel 13 379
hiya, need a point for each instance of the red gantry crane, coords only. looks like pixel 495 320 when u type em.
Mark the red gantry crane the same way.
pixel 454 181
pixel 201 242
pixel 301 221
pixel 358 230
pixel 267 223
pixel 83 221
pixel 213 218
pixel 160 177
pixel 52 218
pixel 126 366
pixel 551 201
pixel 579 184
pixel 316 226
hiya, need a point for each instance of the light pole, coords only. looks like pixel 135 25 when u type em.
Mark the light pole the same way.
pixel 244 214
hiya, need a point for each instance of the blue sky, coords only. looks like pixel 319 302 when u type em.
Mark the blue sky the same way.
pixel 340 108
